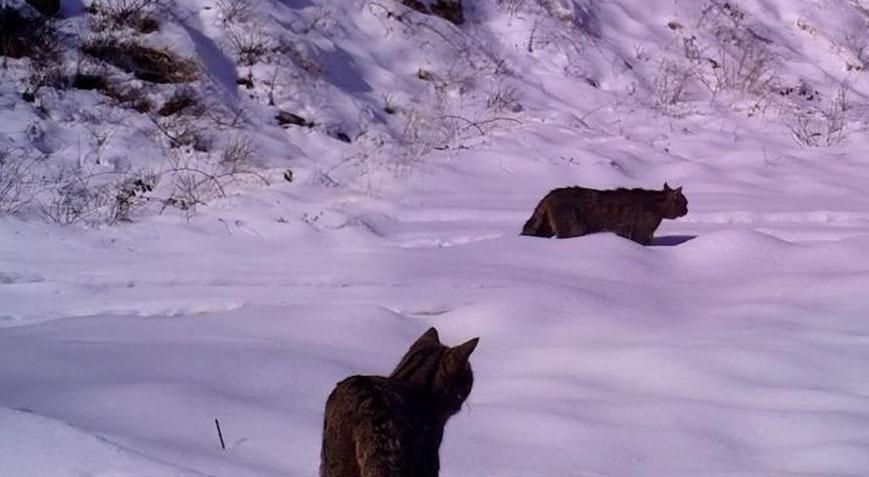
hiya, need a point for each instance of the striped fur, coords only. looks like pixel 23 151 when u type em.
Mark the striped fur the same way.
pixel 630 213
pixel 378 426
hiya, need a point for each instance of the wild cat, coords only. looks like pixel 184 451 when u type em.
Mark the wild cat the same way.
pixel 630 213
pixel 378 426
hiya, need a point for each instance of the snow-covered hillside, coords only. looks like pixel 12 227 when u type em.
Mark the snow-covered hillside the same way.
pixel 131 317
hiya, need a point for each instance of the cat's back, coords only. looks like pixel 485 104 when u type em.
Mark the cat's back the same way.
pixel 571 194
pixel 359 389
pixel 361 397
pixel 363 412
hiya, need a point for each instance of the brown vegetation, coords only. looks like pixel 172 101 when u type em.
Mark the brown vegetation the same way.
pixel 146 63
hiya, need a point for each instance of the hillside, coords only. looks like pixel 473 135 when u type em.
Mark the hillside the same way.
pixel 218 209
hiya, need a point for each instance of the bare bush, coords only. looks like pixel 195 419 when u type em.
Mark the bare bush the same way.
pixel 193 182
pixel 512 7
pixel 424 132
pixel 136 14
pixel 250 45
pixel 183 131
pixel 16 181
pixel 184 100
pixel 722 53
pixel 671 84
pixel 235 11
pixel 504 98
pixel 822 127
pixel 238 154
pixel 747 67
pixel 131 193
pixel 77 200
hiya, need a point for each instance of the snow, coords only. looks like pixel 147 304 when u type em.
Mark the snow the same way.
pixel 735 345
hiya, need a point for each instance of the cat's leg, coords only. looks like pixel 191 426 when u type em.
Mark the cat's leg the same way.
pixel 642 237
pixel 645 232
pixel 631 233
pixel 538 225
pixel 566 222
pixel 428 462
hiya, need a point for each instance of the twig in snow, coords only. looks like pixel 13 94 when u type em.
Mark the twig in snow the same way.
pixel 219 434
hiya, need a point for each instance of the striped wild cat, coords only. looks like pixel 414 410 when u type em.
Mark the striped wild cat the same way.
pixel 630 213
pixel 377 426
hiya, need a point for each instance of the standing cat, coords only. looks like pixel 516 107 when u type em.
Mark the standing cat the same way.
pixel 630 213
pixel 378 426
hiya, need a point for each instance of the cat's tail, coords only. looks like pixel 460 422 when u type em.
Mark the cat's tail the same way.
pixel 538 225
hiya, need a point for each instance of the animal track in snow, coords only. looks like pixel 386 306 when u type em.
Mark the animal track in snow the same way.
pixel 746 217
pixel 10 278
pixel 444 242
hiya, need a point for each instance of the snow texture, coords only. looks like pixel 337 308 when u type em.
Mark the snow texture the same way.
pixel 735 345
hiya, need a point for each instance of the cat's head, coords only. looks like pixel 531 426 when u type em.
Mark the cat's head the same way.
pixel 675 203
pixel 442 370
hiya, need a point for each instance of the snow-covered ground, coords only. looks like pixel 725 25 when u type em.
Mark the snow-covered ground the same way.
pixel 735 345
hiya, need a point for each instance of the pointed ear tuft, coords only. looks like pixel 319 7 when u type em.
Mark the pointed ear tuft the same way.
pixel 666 187
pixel 429 337
pixel 679 189
pixel 464 350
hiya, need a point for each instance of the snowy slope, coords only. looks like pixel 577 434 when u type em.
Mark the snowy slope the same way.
pixel 735 345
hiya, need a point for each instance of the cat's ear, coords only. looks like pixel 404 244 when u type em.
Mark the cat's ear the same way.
pixel 679 190
pixel 667 187
pixel 430 337
pixel 464 350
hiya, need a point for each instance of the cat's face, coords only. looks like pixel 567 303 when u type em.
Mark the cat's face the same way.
pixel 675 203
pixel 445 370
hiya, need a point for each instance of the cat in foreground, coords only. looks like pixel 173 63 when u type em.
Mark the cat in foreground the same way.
pixel 630 213
pixel 377 426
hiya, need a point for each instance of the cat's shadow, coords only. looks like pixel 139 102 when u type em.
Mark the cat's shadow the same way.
pixel 671 240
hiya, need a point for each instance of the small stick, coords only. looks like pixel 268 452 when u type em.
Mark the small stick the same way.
pixel 219 434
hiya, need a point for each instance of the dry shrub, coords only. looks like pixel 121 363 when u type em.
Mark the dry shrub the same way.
pixel 115 14
pixel 235 11
pixel 148 64
pixel 125 96
pixel 250 45
pixel 130 97
pixel 16 181
pixel 238 154
pixel 26 36
pixel 183 101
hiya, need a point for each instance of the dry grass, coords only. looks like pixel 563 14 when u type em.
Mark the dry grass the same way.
pixel 148 64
